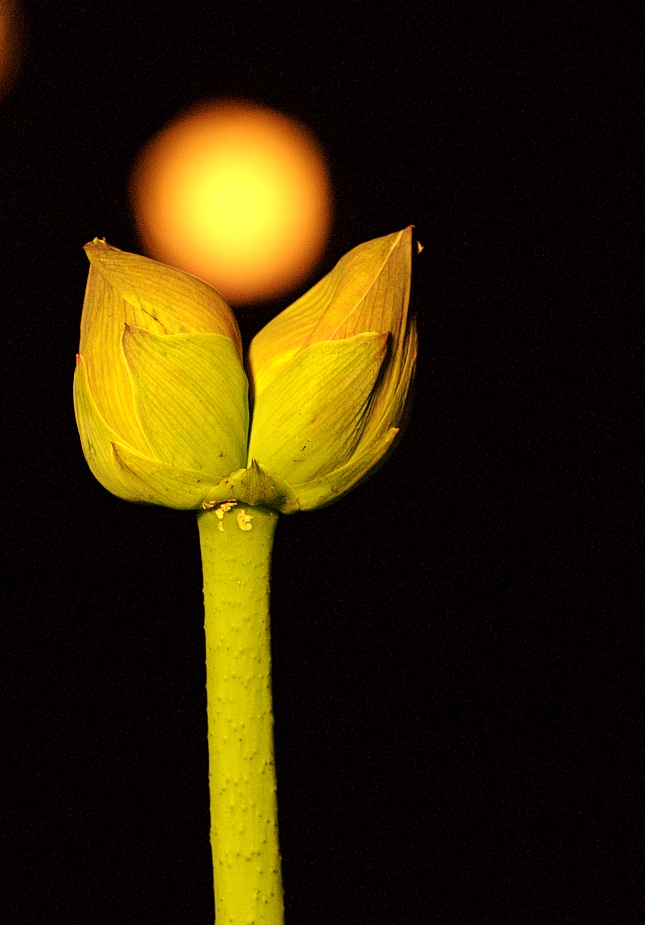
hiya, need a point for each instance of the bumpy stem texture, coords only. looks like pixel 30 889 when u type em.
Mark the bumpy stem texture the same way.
pixel 236 557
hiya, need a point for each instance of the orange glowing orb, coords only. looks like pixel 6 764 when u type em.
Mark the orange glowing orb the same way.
pixel 236 194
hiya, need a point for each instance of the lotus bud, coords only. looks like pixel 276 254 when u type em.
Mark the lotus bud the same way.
pixel 161 395
pixel 160 392
pixel 331 374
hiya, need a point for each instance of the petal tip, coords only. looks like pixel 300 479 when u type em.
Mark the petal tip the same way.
pixel 97 249
pixel 94 244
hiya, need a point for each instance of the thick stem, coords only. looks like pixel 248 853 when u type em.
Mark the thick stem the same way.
pixel 236 558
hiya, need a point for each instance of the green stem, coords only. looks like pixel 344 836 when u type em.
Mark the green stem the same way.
pixel 236 559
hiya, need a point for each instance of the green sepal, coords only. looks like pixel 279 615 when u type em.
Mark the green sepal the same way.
pixel 190 397
pixel 330 487
pixel 97 438
pixel 310 419
pixel 256 486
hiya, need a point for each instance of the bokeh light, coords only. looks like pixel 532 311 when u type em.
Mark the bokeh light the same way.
pixel 10 42
pixel 236 194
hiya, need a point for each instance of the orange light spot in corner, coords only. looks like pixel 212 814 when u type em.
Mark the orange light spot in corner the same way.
pixel 10 42
pixel 236 194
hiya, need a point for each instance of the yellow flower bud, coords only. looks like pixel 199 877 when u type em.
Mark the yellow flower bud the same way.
pixel 161 395
pixel 159 391
pixel 331 374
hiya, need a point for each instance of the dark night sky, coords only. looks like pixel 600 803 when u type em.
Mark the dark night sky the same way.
pixel 454 679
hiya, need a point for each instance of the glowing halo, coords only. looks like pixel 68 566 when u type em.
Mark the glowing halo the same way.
pixel 236 194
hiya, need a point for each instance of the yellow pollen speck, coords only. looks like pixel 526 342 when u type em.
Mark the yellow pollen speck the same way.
pixel 244 520
pixel 223 507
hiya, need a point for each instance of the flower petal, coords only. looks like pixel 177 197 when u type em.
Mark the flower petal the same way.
pixel 373 290
pixel 154 482
pixel 102 321
pixel 368 290
pixel 330 487
pixel 179 302
pixel 279 340
pixel 97 438
pixel 190 396
pixel 392 400
pixel 311 418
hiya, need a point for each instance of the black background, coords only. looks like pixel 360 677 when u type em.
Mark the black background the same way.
pixel 454 678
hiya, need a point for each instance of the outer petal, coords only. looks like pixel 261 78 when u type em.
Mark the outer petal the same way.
pixel 329 488
pixel 179 302
pixel 155 482
pixel 392 400
pixel 309 421
pixel 373 290
pixel 190 396
pixel 368 290
pixel 384 307
pixel 104 315
pixel 124 471
pixel 97 438
pixel 279 340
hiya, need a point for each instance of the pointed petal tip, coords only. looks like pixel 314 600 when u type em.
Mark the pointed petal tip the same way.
pixel 94 244
pixel 405 234
pixel 97 248
pixel 98 252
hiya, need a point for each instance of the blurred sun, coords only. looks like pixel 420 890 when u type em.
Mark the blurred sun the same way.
pixel 236 194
